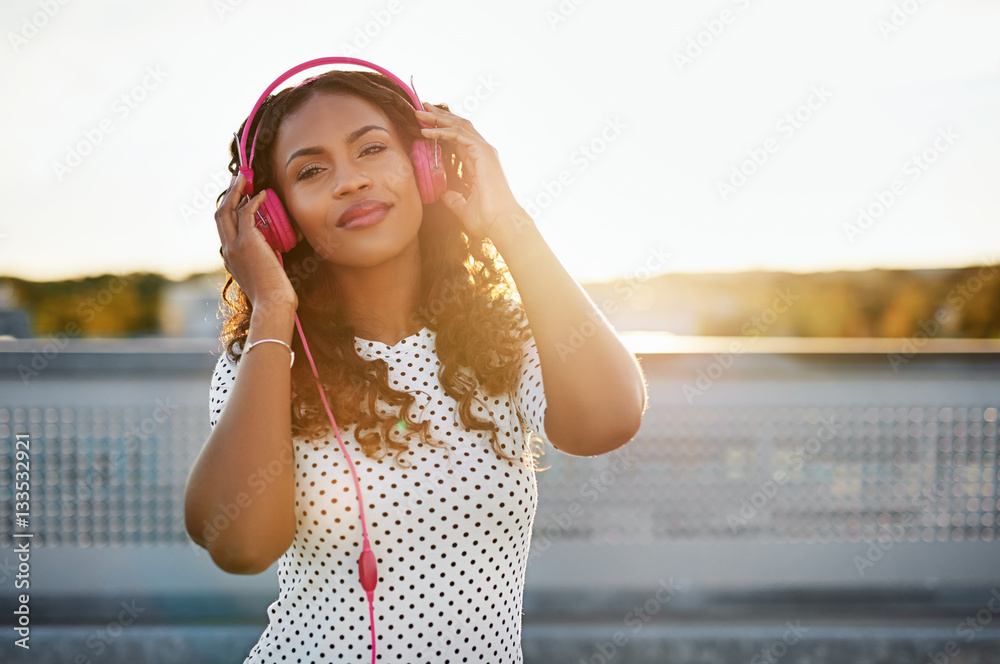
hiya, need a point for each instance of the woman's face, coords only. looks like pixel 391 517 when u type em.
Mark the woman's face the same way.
pixel 345 176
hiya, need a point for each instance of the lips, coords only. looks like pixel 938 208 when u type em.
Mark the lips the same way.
pixel 363 213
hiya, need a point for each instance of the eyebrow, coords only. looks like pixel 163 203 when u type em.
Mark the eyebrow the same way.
pixel 353 136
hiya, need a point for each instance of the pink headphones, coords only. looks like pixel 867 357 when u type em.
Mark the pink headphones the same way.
pixel 272 219
pixel 273 223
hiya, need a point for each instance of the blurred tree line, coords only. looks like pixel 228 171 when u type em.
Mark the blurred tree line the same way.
pixel 956 303
pixel 103 306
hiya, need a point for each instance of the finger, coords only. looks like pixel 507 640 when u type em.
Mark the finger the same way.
pixel 247 214
pixel 428 107
pixel 234 194
pixel 462 143
pixel 225 214
pixel 469 147
pixel 441 118
pixel 458 134
pixel 432 108
pixel 454 201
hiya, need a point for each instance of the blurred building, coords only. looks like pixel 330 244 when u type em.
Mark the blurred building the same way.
pixel 190 308
pixel 14 322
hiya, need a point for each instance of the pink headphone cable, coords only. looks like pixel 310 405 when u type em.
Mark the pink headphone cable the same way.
pixel 366 561
pixel 279 234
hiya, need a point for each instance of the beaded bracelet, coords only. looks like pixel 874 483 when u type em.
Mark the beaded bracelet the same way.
pixel 279 341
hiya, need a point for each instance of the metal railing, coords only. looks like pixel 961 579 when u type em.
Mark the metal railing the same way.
pixel 760 467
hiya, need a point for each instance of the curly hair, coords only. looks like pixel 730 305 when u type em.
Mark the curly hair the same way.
pixel 467 297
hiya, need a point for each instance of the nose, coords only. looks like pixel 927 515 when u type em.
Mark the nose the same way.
pixel 348 179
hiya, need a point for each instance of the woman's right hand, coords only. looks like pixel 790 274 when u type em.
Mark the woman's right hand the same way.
pixel 247 255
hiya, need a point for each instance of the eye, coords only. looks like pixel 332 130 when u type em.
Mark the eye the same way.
pixel 372 148
pixel 307 173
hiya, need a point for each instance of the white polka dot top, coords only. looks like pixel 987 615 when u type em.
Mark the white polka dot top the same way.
pixel 451 537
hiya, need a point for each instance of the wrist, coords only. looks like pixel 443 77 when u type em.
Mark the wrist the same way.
pixel 273 321
pixel 511 227
pixel 251 344
pixel 274 306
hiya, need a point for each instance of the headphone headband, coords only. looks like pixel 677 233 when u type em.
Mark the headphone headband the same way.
pixel 246 161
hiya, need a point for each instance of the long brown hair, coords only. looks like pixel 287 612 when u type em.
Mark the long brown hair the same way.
pixel 467 297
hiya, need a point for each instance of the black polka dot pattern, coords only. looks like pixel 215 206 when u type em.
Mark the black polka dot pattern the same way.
pixel 451 533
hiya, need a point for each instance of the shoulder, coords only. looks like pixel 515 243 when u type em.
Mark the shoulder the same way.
pixel 226 360
pixel 225 370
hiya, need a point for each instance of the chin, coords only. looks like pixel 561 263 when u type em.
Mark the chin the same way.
pixel 370 251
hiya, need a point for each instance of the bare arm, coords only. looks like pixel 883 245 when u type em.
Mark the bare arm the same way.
pixel 245 516
pixel 242 514
pixel 595 390
pixel 247 522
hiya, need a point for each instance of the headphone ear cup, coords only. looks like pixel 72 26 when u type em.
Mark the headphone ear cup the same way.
pixel 275 226
pixel 431 181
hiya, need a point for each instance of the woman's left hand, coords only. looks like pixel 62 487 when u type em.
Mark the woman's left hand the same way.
pixel 490 204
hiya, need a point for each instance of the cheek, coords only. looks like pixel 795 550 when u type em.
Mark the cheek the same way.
pixel 401 175
pixel 304 204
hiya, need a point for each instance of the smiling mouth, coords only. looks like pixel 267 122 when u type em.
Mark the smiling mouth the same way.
pixel 363 214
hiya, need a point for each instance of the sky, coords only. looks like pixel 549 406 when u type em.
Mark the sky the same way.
pixel 642 137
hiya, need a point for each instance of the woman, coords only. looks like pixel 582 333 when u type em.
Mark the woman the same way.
pixel 431 365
